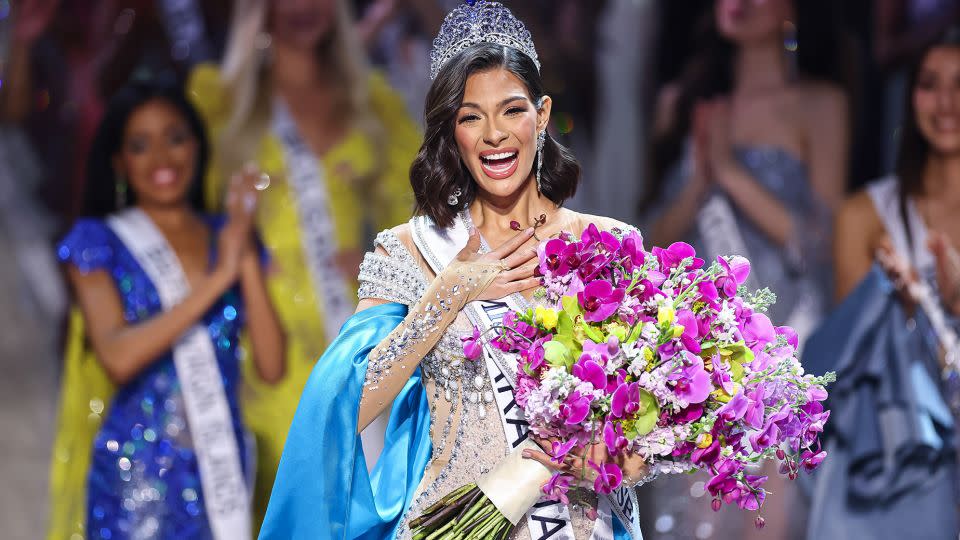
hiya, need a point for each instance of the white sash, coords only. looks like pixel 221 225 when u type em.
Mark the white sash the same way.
pixel 306 177
pixel 717 225
pixel 208 413
pixel 547 519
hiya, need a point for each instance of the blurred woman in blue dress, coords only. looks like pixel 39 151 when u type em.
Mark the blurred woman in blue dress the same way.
pixel 151 443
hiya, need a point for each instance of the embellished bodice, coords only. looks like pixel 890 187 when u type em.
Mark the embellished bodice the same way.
pixel 466 433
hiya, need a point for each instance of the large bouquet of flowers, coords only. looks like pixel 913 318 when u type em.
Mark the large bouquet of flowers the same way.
pixel 657 354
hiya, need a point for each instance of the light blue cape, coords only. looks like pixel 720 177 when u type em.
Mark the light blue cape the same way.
pixel 323 489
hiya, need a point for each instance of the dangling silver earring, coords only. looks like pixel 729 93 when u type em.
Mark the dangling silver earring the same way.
pixel 120 191
pixel 263 44
pixel 454 198
pixel 541 140
pixel 790 48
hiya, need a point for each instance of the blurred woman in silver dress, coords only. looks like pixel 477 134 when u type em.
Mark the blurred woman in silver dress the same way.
pixel 750 158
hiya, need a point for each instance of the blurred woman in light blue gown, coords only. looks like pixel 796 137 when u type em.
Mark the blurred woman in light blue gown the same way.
pixel 891 466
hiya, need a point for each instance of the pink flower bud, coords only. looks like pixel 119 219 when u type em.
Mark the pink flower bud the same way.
pixel 759 522
pixel 781 454
pixel 715 504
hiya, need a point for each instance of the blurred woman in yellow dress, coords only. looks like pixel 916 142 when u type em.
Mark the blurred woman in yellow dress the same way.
pixel 295 96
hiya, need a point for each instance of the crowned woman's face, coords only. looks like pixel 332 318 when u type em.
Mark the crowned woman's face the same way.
pixel 496 131
pixel 744 21
pixel 936 99
pixel 159 153
pixel 301 23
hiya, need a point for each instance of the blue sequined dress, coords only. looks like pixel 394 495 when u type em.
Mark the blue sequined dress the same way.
pixel 144 480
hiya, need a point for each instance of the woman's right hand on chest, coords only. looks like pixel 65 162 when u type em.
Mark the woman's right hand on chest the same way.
pixel 494 275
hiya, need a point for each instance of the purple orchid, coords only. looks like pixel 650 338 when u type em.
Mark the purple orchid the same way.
pixel 692 382
pixel 472 346
pixel 754 414
pixel 721 374
pixel 765 438
pixel 552 260
pixel 671 257
pixel 707 455
pixel 632 248
pixel 735 272
pixel 588 370
pixel 600 300
pixel 609 477
pixel 810 460
pixel 758 331
pixel 533 357
pixel 750 495
pixel 734 409
pixel 691 330
pixel 559 450
pixel 724 479
pixel 575 408
pixel 625 400
pixel 557 487
pixel 790 335
pixel 613 437
pixel 690 414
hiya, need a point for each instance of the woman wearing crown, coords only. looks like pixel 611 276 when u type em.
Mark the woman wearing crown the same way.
pixel 486 165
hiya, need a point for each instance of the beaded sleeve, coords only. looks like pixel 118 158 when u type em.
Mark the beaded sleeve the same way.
pixel 394 276
pixel 395 358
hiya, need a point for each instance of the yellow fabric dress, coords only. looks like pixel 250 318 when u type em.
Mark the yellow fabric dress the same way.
pixel 355 212
pixel 85 389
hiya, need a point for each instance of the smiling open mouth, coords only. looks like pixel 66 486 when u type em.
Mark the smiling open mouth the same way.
pixel 499 165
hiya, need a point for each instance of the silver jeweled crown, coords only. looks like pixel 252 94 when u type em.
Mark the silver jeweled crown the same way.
pixel 479 22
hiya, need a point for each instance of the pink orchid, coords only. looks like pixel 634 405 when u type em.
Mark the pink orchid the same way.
pixel 560 449
pixel 790 335
pixel 552 260
pixel 734 409
pixel 692 382
pixel 735 273
pixel 557 487
pixel 691 330
pixel 600 300
pixel 613 437
pixel 587 370
pixel 609 477
pixel 671 257
pixel 472 346
pixel 810 460
pixel 758 331
pixel 575 408
pixel 721 375
pixel 625 401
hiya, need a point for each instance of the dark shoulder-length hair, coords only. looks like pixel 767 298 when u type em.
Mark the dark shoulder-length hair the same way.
pixel 99 198
pixel 438 170
pixel 913 149
pixel 819 55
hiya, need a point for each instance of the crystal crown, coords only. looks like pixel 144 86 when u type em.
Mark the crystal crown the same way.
pixel 479 22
